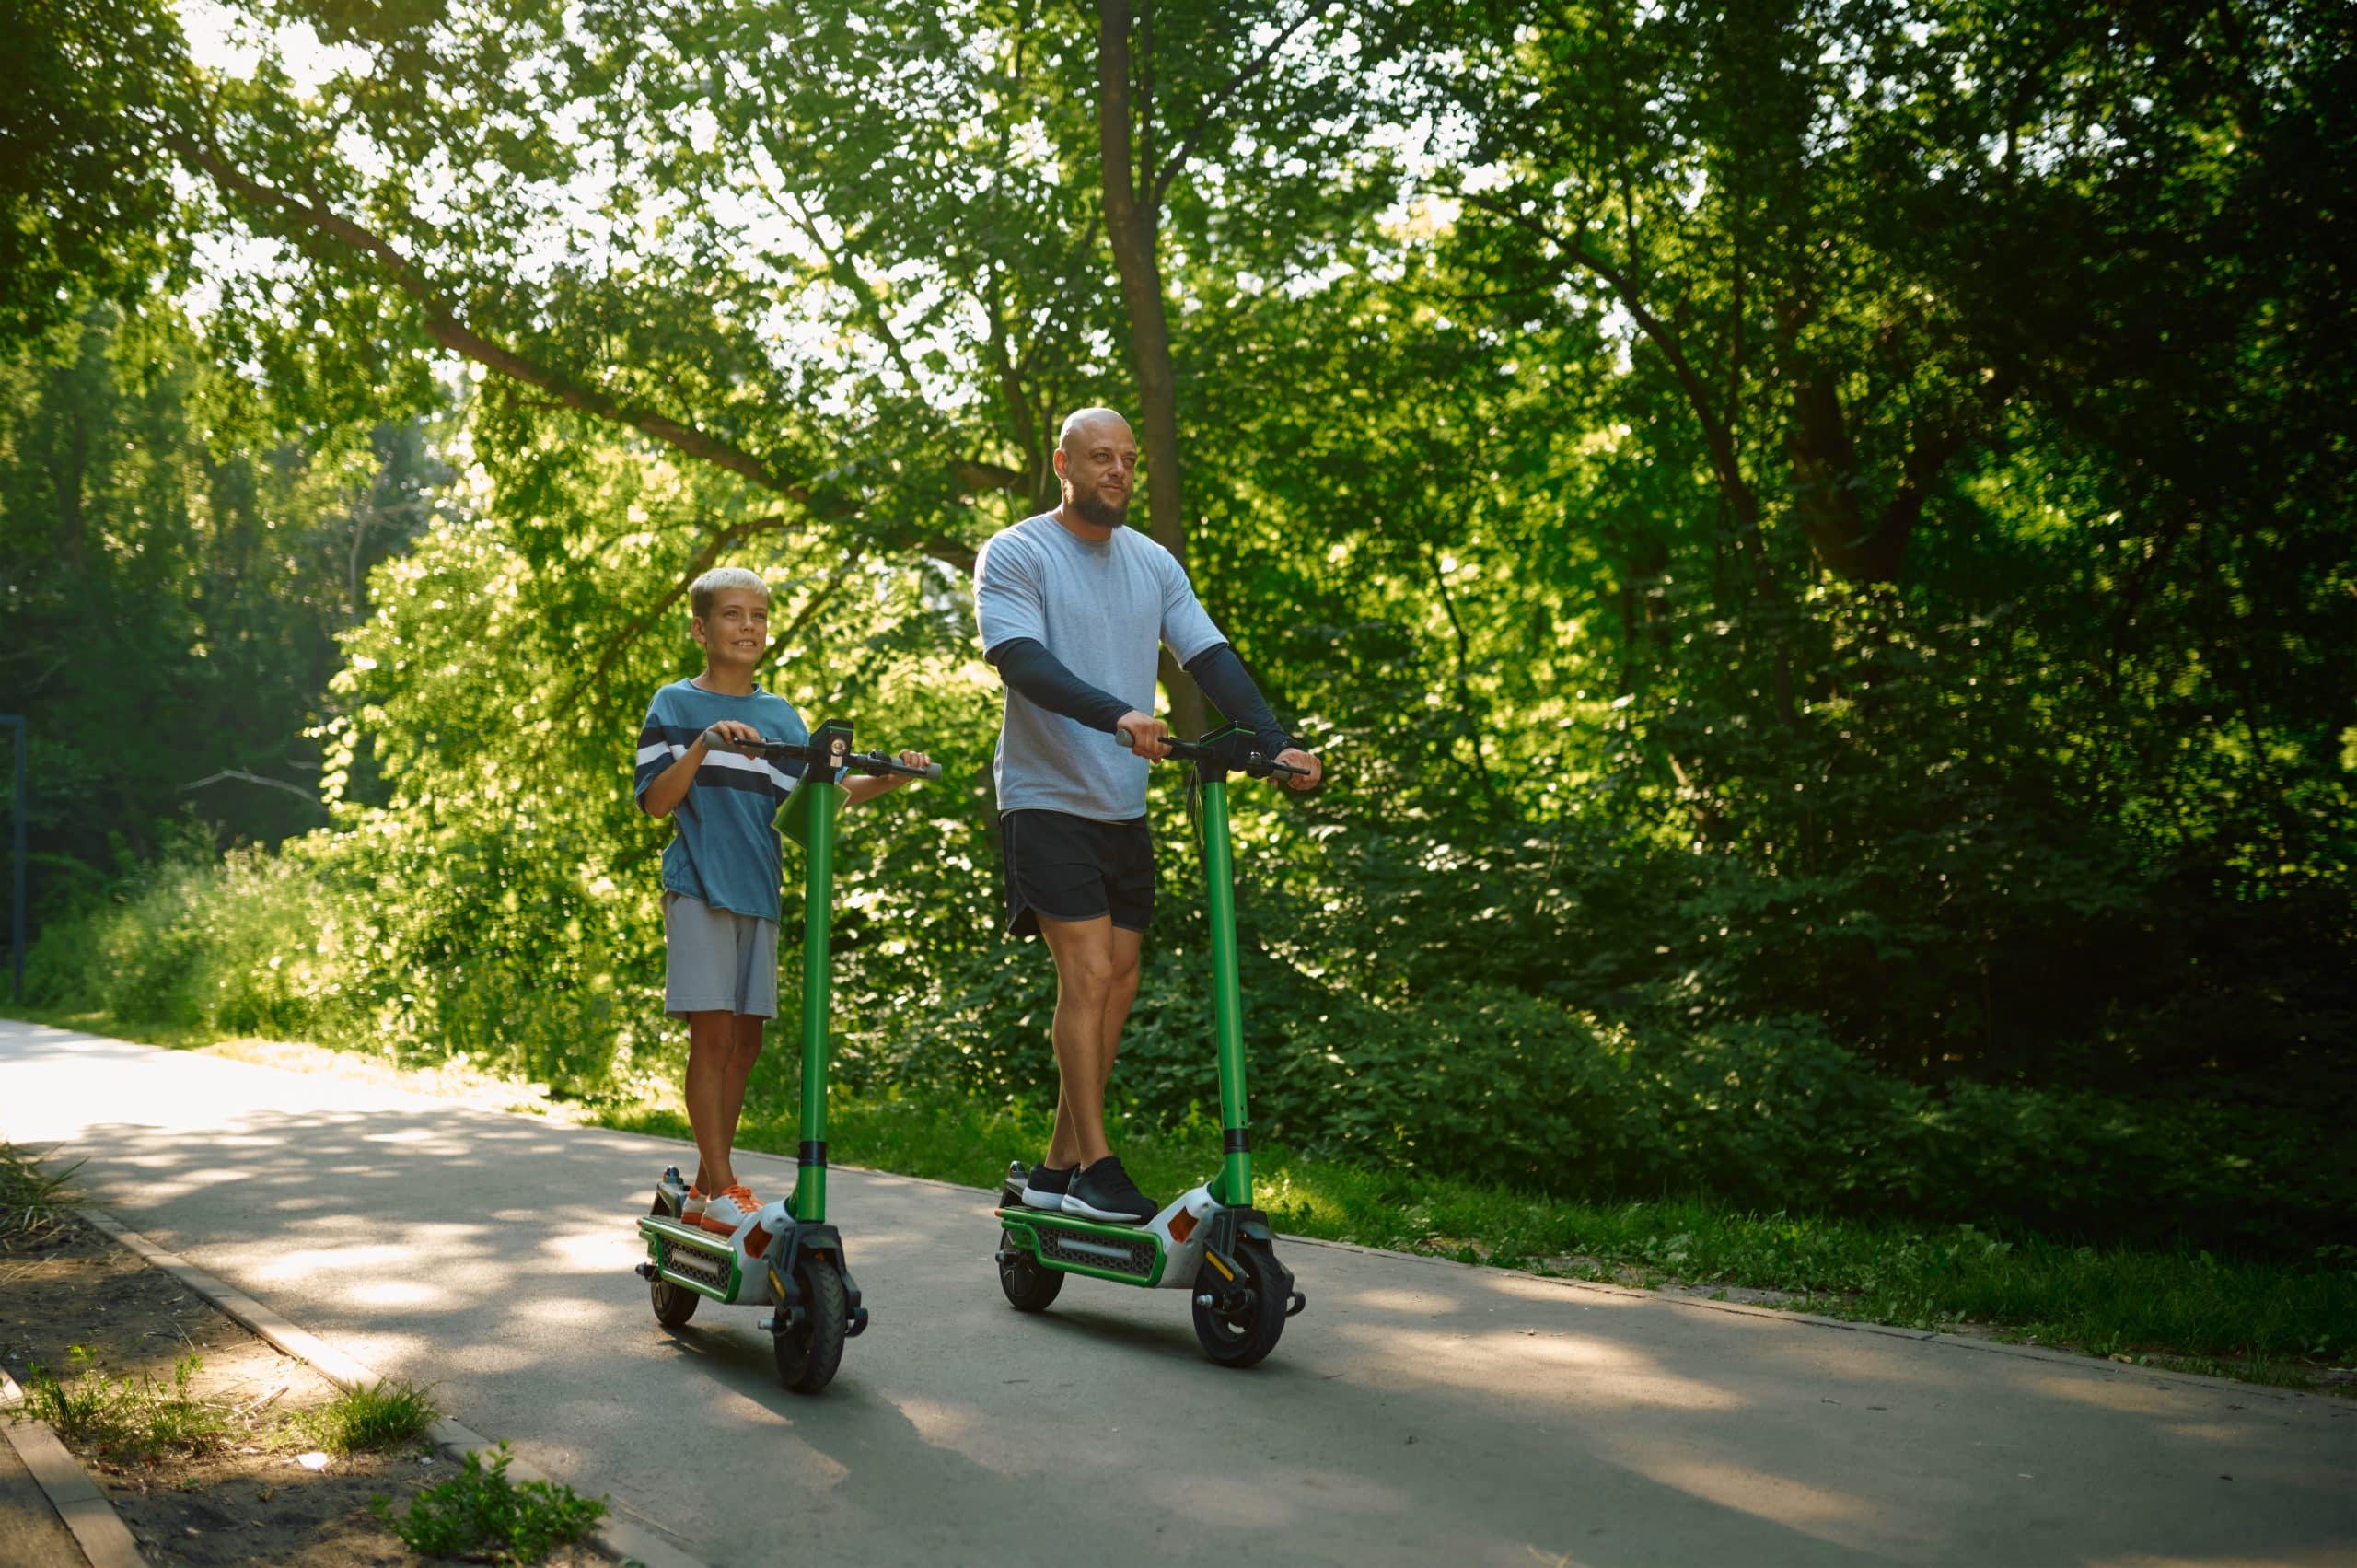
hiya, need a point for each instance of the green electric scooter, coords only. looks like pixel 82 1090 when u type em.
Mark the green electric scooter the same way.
pixel 1211 1241
pixel 785 1255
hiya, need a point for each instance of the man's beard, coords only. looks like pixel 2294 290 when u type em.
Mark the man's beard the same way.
pixel 1096 509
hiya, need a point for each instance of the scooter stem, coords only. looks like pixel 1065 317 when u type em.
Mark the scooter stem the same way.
pixel 810 1202
pixel 1234 1184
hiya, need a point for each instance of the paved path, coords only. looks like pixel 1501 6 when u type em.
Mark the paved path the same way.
pixel 1420 1411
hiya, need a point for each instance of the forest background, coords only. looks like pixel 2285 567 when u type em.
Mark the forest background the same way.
pixel 1815 542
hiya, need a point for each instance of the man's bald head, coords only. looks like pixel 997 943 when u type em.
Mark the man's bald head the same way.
pixel 1096 457
pixel 1080 423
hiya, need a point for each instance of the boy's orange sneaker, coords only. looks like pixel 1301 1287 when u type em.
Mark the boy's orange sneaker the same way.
pixel 727 1209
pixel 692 1207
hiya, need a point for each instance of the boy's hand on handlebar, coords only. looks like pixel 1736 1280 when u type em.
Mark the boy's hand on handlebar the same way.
pixel 1312 774
pixel 730 734
pixel 1144 735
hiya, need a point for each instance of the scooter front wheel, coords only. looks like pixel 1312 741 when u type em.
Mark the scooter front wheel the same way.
pixel 808 1351
pixel 674 1305
pixel 1237 1322
pixel 1029 1284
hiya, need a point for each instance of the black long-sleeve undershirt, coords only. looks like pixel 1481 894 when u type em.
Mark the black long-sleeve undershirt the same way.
pixel 1026 665
pixel 1228 684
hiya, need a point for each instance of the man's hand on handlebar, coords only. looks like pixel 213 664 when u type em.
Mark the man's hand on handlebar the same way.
pixel 1312 773
pixel 1144 735
pixel 916 760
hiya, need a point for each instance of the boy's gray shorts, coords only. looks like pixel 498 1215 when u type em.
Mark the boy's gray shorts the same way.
pixel 717 960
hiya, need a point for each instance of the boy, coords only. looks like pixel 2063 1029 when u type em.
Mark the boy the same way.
pixel 721 869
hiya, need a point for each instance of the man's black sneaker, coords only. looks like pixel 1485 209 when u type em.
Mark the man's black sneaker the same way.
pixel 1045 1189
pixel 1104 1192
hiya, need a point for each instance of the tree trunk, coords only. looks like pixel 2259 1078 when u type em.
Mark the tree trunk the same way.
pixel 1133 219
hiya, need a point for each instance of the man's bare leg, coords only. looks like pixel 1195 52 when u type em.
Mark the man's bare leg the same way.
pixel 1087 976
pixel 1117 999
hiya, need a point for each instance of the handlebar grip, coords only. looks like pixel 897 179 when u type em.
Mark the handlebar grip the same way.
pixel 931 772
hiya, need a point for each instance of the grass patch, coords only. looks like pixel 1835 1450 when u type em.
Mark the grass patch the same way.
pixel 138 1417
pixel 373 1419
pixel 100 1021
pixel 2259 1321
pixel 32 1201
pixel 481 1516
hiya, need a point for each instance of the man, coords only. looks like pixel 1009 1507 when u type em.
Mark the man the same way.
pixel 1072 604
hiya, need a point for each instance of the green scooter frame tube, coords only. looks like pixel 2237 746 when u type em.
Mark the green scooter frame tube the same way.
pixel 816 804
pixel 1234 1184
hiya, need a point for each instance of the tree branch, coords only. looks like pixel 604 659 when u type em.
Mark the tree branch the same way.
pixel 1160 180
pixel 702 562
pixel 1933 453
pixel 442 324
pixel 1714 430
pixel 295 790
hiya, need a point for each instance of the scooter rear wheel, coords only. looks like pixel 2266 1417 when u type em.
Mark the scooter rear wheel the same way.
pixel 1029 1284
pixel 1241 1327
pixel 808 1354
pixel 674 1305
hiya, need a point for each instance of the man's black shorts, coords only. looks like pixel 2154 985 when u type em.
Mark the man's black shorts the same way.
pixel 1070 867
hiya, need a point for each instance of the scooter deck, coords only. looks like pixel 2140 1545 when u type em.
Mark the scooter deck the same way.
pixel 711 1268
pixel 1126 1254
pixel 1022 1213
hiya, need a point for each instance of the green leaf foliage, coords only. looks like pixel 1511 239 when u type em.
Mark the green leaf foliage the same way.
pixel 1816 546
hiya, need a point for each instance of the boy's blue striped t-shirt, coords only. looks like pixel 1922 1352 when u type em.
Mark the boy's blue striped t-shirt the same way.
pixel 725 850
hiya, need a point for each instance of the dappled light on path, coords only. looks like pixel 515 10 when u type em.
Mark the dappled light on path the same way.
pixel 1417 1407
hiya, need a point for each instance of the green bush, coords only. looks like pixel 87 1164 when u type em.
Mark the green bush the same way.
pixel 246 944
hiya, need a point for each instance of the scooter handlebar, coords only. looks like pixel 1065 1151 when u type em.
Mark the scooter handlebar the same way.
pixel 870 763
pixel 1247 761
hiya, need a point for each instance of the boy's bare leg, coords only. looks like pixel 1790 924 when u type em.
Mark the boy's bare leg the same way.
pixel 745 1048
pixel 1097 978
pixel 712 1102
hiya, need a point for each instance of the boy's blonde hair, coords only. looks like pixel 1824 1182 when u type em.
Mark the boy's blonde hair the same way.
pixel 701 591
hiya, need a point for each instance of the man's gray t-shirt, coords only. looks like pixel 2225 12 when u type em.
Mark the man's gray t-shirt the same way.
pixel 1101 608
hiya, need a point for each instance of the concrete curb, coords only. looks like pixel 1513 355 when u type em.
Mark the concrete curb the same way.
pixel 98 1530
pixel 623 1539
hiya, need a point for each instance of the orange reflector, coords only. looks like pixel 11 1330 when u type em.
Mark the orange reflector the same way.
pixel 1182 1226
pixel 757 1243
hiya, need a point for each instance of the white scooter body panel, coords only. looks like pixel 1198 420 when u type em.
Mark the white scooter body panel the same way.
pixel 1182 1259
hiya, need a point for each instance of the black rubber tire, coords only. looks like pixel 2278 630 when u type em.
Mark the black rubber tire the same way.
pixel 1242 1336
pixel 674 1305
pixel 807 1357
pixel 1030 1285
